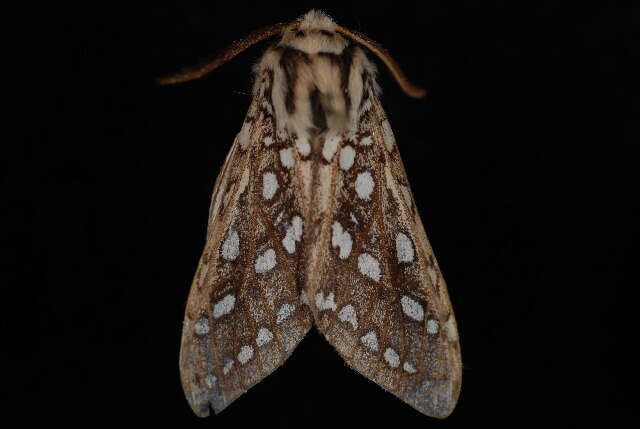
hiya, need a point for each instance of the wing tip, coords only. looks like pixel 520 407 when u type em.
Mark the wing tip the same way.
pixel 199 403
pixel 202 403
pixel 440 399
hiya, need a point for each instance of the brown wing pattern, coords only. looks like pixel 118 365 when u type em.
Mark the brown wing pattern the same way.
pixel 244 315
pixel 376 289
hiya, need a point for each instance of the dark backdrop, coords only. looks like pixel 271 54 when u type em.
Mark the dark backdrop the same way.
pixel 522 161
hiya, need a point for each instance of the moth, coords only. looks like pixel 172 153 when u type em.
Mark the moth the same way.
pixel 312 223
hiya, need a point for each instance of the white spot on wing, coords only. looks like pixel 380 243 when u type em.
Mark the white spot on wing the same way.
pixel 347 156
pixel 325 303
pixel 264 336
pixel 266 261
pixel 268 141
pixel 330 147
pixel 370 340
pixel 246 353
pixel 364 185
pixel 202 326
pixel 404 248
pixel 293 234
pixel 224 306
pixel 348 314
pixel 341 239
pixel 392 358
pixel 432 326
pixel 285 311
pixel 369 266
pixel 227 367
pixel 210 380
pixel 286 157
pixel 409 368
pixel 269 185
pixel 412 308
pixel 389 140
pixel 304 299
pixel 304 148
pixel 231 246
pixel 366 141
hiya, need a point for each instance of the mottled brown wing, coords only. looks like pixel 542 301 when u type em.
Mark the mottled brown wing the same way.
pixel 377 292
pixel 244 315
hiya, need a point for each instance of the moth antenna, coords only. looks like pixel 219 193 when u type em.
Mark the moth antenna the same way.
pixel 209 65
pixel 405 84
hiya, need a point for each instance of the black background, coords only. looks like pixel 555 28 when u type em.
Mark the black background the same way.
pixel 522 159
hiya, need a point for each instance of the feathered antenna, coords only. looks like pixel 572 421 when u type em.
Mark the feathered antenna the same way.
pixel 207 66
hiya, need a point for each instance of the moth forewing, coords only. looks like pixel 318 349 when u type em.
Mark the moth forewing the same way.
pixel 312 221
pixel 437 392
pixel 244 315
pixel 379 296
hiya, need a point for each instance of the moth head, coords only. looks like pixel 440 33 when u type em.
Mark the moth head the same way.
pixel 313 32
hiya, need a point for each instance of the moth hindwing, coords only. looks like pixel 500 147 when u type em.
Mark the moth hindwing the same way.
pixel 312 222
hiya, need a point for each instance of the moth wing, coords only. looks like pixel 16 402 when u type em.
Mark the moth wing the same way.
pixel 377 293
pixel 244 314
